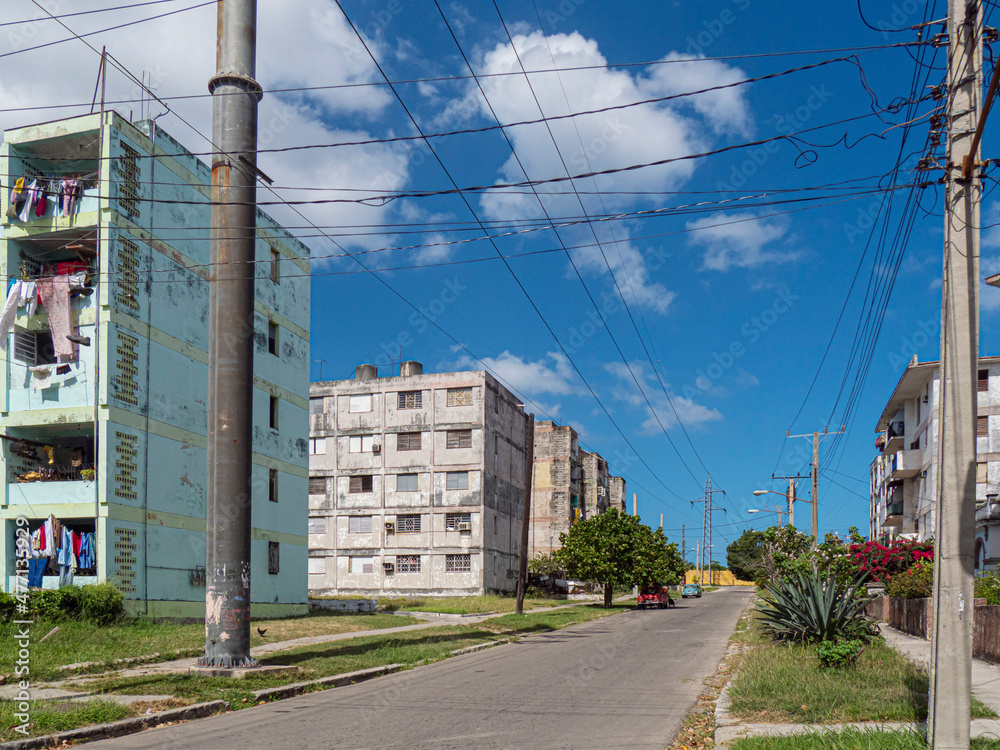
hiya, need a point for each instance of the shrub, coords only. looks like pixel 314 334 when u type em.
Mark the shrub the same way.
pixel 988 587
pixel 913 583
pixel 882 561
pixel 839 654
pixel 101 604
pixel 816 607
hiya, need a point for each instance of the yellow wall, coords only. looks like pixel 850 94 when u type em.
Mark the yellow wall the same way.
pixel 719 578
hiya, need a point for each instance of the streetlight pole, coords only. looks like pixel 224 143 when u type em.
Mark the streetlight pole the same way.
pixel 777 510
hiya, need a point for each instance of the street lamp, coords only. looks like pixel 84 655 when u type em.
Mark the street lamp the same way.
pixel 779 511
pixel 790 498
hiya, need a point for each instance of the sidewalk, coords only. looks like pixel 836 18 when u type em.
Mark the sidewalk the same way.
pixel 985 686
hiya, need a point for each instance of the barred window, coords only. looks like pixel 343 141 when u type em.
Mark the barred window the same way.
pixel 410 400
pixel 272 337
pixel 457 480
pixel 407 483
pixel 459 439
pixel 457 563
pixel 459 397
pixel 359 524
pixel 452 520
pixel 408 524
pixel 408 441
pixel 360 484
pixel 408 563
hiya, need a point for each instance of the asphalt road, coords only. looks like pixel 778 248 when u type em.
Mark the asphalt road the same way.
pixel 622 682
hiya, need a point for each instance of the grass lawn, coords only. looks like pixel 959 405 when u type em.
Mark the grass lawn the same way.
pixel 463 605
pixel 850 740
pixel 785 684
pixel 82 642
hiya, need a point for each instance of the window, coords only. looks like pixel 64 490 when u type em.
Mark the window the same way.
pixel 317 485
pixel 33 347
pixel 407 483
pixel 362 403
pixel 316 406
pixel 273 558
pixel 457 480
pixel 408 441
pixel 360 484
pixel 360 443
pixel 981 471
pixel 272 485
pixel 459 439
pixel 272 337
pixel 407 563
pixel 317 446
pixel 459 397
pixel 408 524
pixel 410 400
pixel 452 520
pixel 359 524
pixel 457 563
pixel 317 526
pixel 272 418
pixel 317 565
pixel 275 266
pixel 983 383
pixel 360 564
pixel 982 427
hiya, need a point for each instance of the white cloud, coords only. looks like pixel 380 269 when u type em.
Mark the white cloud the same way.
pixel 689 412
pixel 551 374
pixel 739 240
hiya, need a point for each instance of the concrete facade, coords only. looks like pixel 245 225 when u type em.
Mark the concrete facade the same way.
pixel 133 404
pixel 569 484
pixel 416 484
pixel 903 475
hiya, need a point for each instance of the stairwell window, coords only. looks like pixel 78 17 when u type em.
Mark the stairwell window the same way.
pixel 272 485
pixel 273 413
pixel 275 266
pixel 272 337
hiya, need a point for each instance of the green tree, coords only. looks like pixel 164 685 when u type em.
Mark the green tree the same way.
pixel 743 555
pixel 615 549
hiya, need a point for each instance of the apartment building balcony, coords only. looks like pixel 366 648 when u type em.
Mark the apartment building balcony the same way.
pixel 905 464
pixel 47 467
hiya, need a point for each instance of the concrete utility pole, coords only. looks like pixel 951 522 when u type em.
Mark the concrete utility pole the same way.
pixel 235 95
pixel 791 503
pixel 952 593
pixel 816 437
pixel 635 504
pixel 529 461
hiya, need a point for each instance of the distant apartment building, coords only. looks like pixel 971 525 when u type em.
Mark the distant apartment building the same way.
pixel 416 483
pixel 103 402
pixel 904 473
pixel 569 484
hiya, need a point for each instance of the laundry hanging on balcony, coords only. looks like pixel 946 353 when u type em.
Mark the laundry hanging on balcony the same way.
pixel 21 294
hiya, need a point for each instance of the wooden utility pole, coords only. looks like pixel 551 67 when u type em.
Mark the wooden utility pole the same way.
pixel 529 461
pixel 952 592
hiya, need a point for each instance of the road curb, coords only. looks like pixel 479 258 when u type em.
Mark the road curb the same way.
pixel 337 680
pixel 480 646
pixel 119 728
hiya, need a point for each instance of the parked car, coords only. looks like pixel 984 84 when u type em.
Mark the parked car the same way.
pixel 691 589
pixel 654 596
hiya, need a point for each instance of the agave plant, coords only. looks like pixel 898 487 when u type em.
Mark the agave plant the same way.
pixel 815 607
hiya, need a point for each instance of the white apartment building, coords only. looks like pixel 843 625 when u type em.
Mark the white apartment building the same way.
pixel 904 473
pixel 416 484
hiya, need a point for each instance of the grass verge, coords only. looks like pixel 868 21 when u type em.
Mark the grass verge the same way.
pixel 784 683
pixel 49 717
pixel 850 739
pixel 77 642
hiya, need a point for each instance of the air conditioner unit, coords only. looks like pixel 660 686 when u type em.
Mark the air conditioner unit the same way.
pixel 602 490
pixel 464 526
pixel 376 449
pixel 389 566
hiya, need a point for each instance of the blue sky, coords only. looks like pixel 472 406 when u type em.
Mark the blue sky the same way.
pixel 698 297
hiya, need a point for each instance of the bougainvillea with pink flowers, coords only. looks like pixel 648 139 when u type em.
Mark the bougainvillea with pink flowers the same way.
pixel 881 561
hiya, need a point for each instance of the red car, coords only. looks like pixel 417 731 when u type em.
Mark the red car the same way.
pixel 654 596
